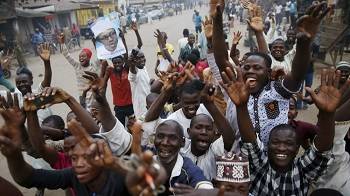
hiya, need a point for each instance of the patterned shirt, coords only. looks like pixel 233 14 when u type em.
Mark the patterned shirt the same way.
pixel 267 109
pixel 268 182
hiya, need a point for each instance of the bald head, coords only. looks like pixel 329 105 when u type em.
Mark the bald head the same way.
pixel 171 124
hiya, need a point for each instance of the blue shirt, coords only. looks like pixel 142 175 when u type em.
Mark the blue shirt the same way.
pixel 197 20
pixel 38 38
pixel 293 8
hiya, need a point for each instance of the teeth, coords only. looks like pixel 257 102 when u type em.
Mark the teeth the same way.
pixel 251 79
pixel 281 156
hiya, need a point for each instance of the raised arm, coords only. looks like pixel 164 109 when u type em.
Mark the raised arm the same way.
pixel 218 40
pixel 239 94
pixel 158 105
pixel 10 139
pixel 134 27
pixel 236 38
pixel 327 101
pixel 52 95
pixel 219 119
pixel 257 25
pixel 307 27
pixel 98 87
pixel 37 139
pixel 162 46
pixel 65 51
pixel 44 52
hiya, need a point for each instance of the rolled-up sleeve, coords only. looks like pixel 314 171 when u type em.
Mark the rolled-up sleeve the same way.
pixel 118 138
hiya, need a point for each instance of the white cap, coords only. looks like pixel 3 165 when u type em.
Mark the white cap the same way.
pixel 101 25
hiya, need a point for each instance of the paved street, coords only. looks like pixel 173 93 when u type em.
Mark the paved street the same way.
pixel 64 76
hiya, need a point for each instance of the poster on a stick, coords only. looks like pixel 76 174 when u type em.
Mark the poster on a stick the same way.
pixel 106 32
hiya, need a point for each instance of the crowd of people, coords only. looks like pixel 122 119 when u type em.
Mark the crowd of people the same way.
pixel 212 122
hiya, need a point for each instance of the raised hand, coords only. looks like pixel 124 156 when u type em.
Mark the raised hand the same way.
pixel 134 26
pixel 329 95
pixel 236 37
pixel 235 86
pixel 60 38
pixel 208 90
pixel 100 155
pixel 256 22
pixel 10 133
pixel 6 59
pixel 308 25
pixel 160 39
pixel 208 27
pixel 136 129
pixel 80 134
pixel 98 84
pixel 213 6
pixel 44 51
pixel 49 96
pixel 170 81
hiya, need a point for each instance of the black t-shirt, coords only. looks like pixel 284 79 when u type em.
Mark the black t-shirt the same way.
pixel 62 179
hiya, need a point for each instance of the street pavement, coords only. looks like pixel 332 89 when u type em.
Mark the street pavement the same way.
pixel 64 76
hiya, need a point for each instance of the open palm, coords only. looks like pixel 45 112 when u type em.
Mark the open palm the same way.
pixel 329 96
pixel 44 51
pixel 208 27
pixel 213 4
pixel 235 87
pixel 309 23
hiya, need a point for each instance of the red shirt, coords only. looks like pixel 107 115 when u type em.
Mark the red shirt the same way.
pixel 120 88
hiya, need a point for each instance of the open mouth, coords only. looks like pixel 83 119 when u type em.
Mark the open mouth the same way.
pixel 203 144
pixel 192 110
pixel 251 82
pixel 164 153
pixel 278 53
pixel 82 175
pixel 281 157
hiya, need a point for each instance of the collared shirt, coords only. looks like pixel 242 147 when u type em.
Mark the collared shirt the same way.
pixel 207 162
pixel 140 88
pixel 338 169
pixel 268 182
pixel 186 172
pixel 120 88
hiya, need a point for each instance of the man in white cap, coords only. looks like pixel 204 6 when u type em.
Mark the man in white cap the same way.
pixel 344 68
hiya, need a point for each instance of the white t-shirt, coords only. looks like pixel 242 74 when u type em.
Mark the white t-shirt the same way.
pixel 149 128
pixel 207 161
pixel 140 88
pixel 180 117
pixel 286 64
pixel 279 9
pixel 182 42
